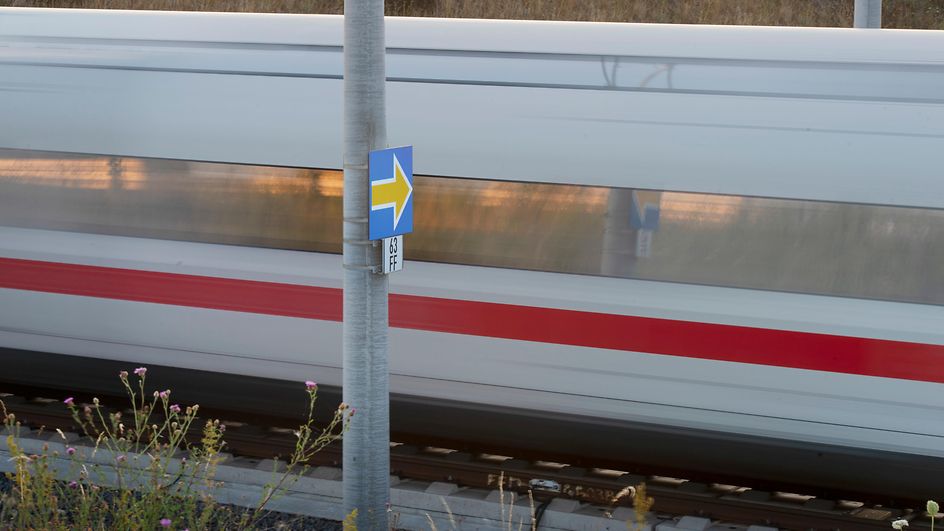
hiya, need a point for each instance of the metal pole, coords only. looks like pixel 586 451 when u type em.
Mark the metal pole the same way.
pixel 868 14
pixel 366 470
pixel 618 237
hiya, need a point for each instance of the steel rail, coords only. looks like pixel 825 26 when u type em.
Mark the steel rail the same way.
pixel 250 435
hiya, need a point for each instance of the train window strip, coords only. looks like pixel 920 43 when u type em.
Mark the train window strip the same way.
pixel 837 249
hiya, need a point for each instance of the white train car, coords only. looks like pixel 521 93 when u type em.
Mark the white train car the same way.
pixel 736 230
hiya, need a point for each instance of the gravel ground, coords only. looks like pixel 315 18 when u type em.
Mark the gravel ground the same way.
pixel 294 522
pixel 272 521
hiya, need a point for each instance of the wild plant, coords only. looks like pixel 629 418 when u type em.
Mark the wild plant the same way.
pixel 150 469
pixel 932 509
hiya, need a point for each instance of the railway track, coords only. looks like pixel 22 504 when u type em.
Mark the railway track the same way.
pixel 255 436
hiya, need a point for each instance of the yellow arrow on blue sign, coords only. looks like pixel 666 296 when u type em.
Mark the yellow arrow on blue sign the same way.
pixel 391 192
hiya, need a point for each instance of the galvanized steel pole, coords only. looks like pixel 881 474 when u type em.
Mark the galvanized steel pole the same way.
pixel 868 14
pixel 367 444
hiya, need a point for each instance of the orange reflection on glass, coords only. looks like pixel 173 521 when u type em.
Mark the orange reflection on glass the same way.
pixel 330 183
pixel 700 208
pixel 500 193
pixel 90 173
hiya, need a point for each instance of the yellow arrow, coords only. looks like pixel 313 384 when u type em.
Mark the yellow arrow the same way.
pixel 392 193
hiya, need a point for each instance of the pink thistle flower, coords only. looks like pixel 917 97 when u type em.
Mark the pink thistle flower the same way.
pixel 73 485
pixel 310 385
pixel 140 371
pixel 123 375
pixel 164 394
pixel 69 401
pixel 165 522
pixel 174 408
pixel 120 459
pixel 70 450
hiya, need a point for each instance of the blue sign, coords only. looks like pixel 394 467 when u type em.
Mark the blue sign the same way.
pixel 391 192
pixel 644 210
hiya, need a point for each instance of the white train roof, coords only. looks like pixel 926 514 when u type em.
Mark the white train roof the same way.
pixel 773 43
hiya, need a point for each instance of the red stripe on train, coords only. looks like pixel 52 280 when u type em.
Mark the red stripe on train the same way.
pixel 801 350
pixel 252 296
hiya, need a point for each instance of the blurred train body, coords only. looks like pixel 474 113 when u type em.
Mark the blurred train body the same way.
pixel 738 230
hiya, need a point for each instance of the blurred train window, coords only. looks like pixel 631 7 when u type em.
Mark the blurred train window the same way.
pixel 865 251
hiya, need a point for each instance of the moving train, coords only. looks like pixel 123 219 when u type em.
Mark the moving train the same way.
pixel 736 232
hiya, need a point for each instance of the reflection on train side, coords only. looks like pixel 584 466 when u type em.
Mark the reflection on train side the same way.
pixel 866 251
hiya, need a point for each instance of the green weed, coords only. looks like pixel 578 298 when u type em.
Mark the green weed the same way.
pixel 141 471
